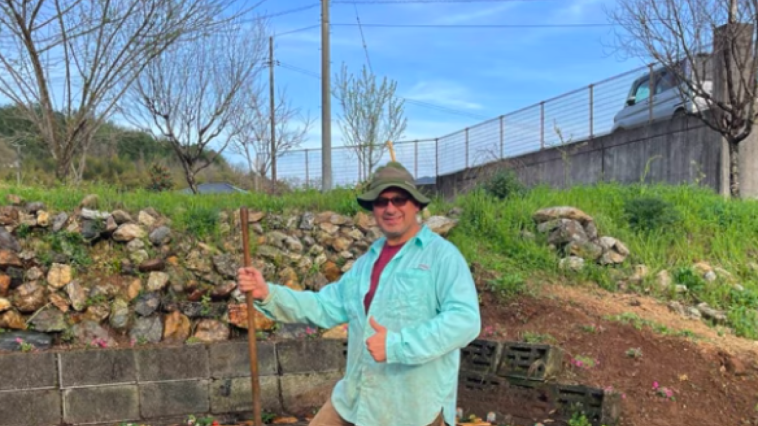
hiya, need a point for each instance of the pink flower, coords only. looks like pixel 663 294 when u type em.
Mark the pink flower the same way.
pixel 19 340
pixel 655 385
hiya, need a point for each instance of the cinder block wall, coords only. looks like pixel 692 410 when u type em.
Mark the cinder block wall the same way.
pixel 162 384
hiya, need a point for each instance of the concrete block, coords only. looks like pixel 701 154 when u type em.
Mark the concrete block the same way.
pixel 28 371
pixel 174 398
pixel 301 393
pixel 235 395
pixel 232 359
pixel 32 408
pixel 172 363
pixel 97 367
pixel 101 404
pixel 305 356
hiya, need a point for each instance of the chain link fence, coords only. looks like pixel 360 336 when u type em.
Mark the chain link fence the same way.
pixel 572 117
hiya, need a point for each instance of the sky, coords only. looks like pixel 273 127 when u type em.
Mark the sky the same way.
pixel 474 73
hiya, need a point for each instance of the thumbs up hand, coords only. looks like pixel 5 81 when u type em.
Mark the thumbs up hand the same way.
pixel 376 344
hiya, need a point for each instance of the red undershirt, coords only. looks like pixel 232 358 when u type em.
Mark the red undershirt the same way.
pixel 388 252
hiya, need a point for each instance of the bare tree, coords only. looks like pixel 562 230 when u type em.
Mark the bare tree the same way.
pixel 253 129
pixel 371 115
pixel 190 95
pixel 693 41
pixel 65 63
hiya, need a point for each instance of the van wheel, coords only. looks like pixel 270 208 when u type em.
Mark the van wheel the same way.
pixel 679 113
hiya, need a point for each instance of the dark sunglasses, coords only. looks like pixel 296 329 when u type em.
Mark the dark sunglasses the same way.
pixel 397 201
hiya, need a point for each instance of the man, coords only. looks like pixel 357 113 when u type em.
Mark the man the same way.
pixel 410 304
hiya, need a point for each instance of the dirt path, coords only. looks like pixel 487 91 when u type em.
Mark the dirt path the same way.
pixel 713 379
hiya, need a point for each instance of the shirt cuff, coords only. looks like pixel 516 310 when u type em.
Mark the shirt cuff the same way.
pixel 393 347
pixel 271 293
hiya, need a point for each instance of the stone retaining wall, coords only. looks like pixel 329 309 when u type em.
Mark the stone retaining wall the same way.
pixel 165 384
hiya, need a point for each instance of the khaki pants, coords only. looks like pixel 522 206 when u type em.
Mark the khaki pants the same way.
pixel 328 416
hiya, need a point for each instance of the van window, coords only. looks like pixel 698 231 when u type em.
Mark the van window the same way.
pixel 642 92
pixel 666 82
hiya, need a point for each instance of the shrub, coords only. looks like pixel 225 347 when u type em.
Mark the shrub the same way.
pixel 504 184
pixel 201 221
pixel 650 213
pixel 160 178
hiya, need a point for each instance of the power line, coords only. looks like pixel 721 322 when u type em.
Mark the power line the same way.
pixel 297 30
pixel 363 38
pixel 580 25
pixel 287 12
pixel 429 105
pixel 427 1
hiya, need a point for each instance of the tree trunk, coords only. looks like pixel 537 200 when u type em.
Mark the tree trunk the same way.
pixel 734 169
pixel 63 168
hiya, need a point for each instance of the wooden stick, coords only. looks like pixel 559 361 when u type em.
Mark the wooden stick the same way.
pixel 392 150
pixel 251 333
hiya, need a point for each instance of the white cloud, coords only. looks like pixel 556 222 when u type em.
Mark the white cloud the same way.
pixel 443 92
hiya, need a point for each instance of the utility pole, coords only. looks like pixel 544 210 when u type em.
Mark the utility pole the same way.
pixel 326 102
pixel 732 11
pixel 272 111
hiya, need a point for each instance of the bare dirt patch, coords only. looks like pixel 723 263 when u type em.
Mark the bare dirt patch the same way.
pixel 713 380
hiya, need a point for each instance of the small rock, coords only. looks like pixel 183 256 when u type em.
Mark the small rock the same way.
pixel 97 313
pixel 60 302
pixel 77 295
pixel 586 250
pixel 8 215
pixel 364 222
pixel 43 219
pixel 566 232
pixel 292 331
pixel 49 321
pixel 34 207
pixel 12 320
pixel 89 331
pixel 340 244
pixel 135 245
pixel 29 297
pixel 680 288
pixel 238 317
pixel 702 268
pixel 591 230
pixel 677 308
pixel 738 287
pixel 710 276
pixel 147 303
pixel 12 341
pixel 157 281
pixel 331 271
pixel 128 232
pixel 307 221
pixel 14 199
pixel 59 275
pixel 329 228
pixel 133 289
pixel 90 214
pixel 693 312
pixel 640 272
pixel 152 265
pixel 34 273
pixel 176 328
pixel 663 278
pixel 119 315
pixel 160 236
pixel 226 265
pixel 441 224
pixel 147 329
pixel 711 314
pixel 199 262
pixel 572 262
pixel 255 217
pixel 209 330
pixel 59 221
pixel 90 201
pixel 110 224
pixel 293 244
pixel 224 289
pixel 121 217
pixel 145 219
pixel 733 364
pixel 338 333
pixel 91 229
pixel 5 304
pixel 9 258
pixel 316 281
pixel 8 241
pixel 561 212
pixel 5 284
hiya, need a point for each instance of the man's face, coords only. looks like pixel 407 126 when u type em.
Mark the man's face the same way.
pixel 395 213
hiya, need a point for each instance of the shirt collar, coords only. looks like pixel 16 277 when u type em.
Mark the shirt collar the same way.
pixel 421 238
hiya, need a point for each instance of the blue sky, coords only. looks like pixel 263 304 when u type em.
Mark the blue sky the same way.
pixel 484 72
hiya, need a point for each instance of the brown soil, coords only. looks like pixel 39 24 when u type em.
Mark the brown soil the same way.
pixel 714 378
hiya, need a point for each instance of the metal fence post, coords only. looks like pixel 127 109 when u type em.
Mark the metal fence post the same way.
pixel 307 178
pixel 436 157
pixel 415 159
pixel 651 92
pixel 467 147
pixel 592 110
pixel 542 125
pixel 502 137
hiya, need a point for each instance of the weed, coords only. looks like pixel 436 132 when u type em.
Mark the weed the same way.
pixel 582 361
pixel 532 337
pixel 509 286
pixel 634 353
pixel 201 221
pixel 504 184
pixel 650 213
pixel 579 419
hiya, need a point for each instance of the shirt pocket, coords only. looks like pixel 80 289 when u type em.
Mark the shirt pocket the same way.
pixel 413 298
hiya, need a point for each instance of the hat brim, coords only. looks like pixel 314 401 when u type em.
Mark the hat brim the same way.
pixel 366 200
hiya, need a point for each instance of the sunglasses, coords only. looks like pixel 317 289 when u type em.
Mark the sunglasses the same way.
pixel 397 201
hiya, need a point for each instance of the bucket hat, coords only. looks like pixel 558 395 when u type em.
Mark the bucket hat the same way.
pixel 392 175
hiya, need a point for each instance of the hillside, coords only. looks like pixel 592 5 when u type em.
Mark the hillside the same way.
pixel 640 284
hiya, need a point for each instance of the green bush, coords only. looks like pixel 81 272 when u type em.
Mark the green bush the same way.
pixel 649 213
pixel 160 178
pixel 201 221
pixel 504 184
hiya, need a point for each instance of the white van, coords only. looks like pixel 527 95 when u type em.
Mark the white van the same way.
pixel 669 97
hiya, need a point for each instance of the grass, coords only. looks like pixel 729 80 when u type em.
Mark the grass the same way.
pixel 664 227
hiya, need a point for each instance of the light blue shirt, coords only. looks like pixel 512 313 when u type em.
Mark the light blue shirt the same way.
pixel 426 299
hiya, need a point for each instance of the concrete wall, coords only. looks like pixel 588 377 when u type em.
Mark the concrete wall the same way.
pixel 676 151
pixel 165 384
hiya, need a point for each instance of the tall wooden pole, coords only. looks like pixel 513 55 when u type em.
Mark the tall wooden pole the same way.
pixel 272 110
pixel 251 333
pixel 326 101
